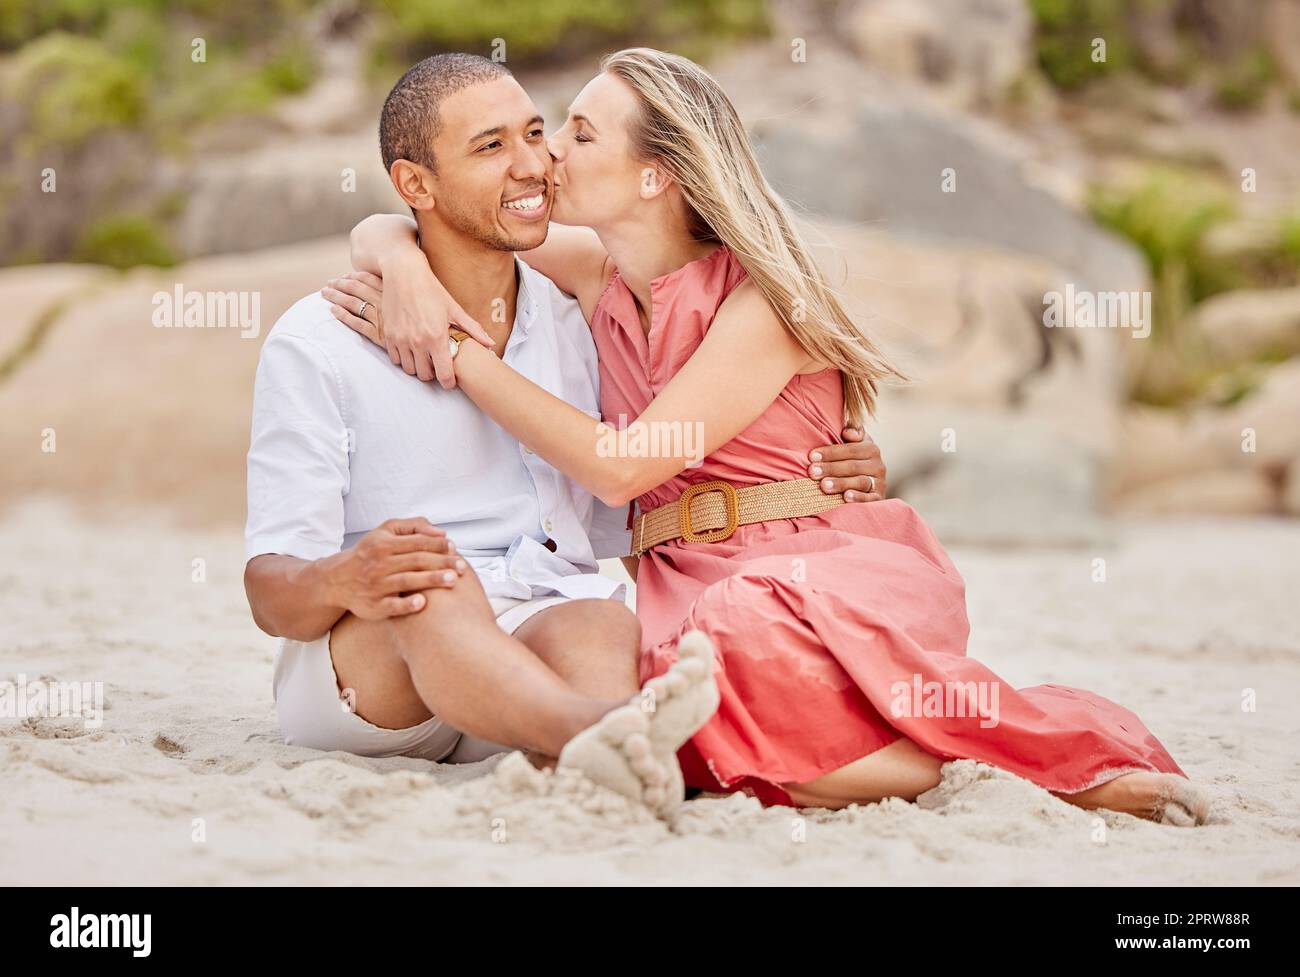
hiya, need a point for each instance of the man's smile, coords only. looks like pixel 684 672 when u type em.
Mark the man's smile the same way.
pixel 529 206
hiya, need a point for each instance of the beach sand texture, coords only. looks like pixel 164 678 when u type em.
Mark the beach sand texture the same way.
pixel 1192 615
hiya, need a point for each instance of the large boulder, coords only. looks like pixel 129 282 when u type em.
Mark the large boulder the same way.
pixel 970 51
pixel 1248 323
pixel 1006 428
pixel 1244 456
pixel 900 156
pixel 142 416
pixel 294 190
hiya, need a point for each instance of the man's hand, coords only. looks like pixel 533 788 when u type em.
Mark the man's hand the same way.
pixel 399 557
pixel 854 468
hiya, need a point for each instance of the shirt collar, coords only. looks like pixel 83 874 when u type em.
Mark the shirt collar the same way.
pixel 526 301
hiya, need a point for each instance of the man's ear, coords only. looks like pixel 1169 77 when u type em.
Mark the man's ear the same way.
pixel 414 183
pixel 654 181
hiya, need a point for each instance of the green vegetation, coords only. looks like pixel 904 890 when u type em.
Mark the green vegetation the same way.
pixel 535 32
pixel 130 64
pixel 124 241
pixel 1167 214
pixel 1244 83
pixel 1066 30
pixel 72 88
pixel 1160 40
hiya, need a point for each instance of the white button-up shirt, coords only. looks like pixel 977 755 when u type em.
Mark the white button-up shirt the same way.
pixel 342 440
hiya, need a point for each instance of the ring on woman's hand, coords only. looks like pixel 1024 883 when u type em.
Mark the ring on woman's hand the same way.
pixel 361 312
pixel 873 484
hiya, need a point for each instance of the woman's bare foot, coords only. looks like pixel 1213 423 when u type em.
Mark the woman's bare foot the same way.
pixel 1162 797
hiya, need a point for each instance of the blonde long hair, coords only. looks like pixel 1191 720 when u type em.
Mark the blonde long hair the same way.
pixel 687 123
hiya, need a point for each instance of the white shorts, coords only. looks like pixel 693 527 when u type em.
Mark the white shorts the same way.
pixel 314 713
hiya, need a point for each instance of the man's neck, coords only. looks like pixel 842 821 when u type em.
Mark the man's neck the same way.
pixel 481 279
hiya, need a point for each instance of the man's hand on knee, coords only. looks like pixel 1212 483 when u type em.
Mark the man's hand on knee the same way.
pixel 382 576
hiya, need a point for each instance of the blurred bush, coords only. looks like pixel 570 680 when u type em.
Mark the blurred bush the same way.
pixel 1065 34
pixel 124 241
pixel 1173 216
pixel 557 30
pixel 70 88
pixel 107 95
pixel 1167 213
pixel 1244 82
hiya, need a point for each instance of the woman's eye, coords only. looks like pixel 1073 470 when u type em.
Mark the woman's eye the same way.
pixel 579 137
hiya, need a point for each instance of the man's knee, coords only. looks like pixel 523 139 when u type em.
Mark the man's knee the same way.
pixel 606 624
pixel 621 624
pixel 578 629
pixel 445 610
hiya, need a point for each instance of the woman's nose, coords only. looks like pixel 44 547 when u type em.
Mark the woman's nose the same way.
pixel 553 147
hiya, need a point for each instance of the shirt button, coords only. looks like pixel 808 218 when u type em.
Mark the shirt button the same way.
pixel 547 526
pixel 528 451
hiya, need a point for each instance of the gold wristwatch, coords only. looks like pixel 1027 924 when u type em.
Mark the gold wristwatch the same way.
pixel 454 338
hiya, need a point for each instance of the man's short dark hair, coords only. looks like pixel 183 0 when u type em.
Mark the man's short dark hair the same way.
pixel 410 120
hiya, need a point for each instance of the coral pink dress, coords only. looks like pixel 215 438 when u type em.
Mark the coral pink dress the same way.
pixel 829 628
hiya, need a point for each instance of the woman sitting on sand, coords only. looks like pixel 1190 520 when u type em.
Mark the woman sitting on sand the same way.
pixel 840 630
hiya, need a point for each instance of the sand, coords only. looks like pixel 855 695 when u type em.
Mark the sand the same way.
pixel 187 782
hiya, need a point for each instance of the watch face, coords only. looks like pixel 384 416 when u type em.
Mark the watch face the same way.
pixel 453 344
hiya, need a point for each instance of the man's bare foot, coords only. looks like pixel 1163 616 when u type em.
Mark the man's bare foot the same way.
pixel 615 752
pixel 679 702
pixel 682 699
pixel 1162 797
pixel 636 755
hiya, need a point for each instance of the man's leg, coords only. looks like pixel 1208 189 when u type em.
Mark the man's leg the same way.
pixel 594 645
pixel 465 670
pixel 462 668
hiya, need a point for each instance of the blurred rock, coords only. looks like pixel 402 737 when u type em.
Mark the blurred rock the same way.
pixel 1010 479
pixel 286 191
pixel 160 416
pixel 1241 449
pixel 971 50
pixel 1002 435
pixel 1248 323
pixel 1291 489
pixel 899 156
pixel 1281 22
pixel 1152 444
pixel 1270 416
pixel 1236 493
pixel 146 416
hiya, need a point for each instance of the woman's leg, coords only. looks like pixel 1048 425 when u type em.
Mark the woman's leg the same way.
pixel 903 769
pixel 1163 797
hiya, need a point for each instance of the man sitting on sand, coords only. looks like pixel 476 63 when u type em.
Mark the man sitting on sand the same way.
pixel 433 580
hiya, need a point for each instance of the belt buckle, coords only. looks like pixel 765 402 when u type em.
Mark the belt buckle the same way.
pixel 712 535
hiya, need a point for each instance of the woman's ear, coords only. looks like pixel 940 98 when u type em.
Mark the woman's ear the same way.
pixel 654 181
pixel 414 183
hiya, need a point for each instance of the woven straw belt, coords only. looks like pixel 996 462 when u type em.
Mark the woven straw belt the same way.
pixel 709 512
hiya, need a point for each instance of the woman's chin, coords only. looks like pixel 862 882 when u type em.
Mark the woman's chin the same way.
pixel 560 214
